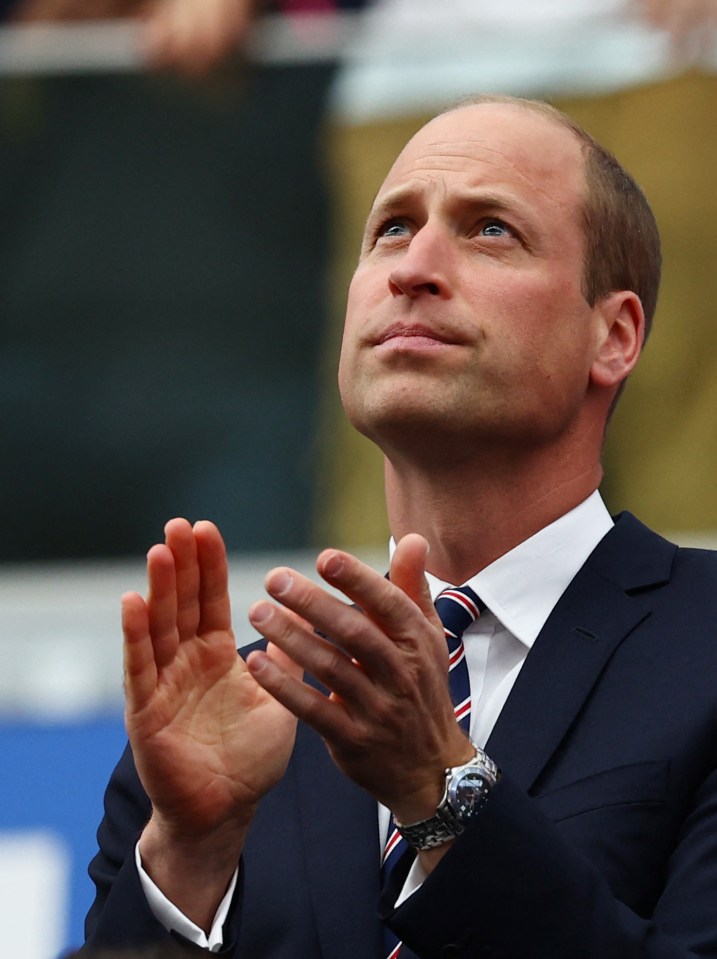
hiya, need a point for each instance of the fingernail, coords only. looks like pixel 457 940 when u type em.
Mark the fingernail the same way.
pixel 279 583
pixel 260 614
pixel 257 661
pixel 333 565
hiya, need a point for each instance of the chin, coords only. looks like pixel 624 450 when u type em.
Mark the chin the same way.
pixel 397 425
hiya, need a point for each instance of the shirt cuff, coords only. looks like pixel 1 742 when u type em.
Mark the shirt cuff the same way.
pixel 175 921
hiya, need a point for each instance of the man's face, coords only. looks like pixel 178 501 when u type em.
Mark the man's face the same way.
pixel 465 315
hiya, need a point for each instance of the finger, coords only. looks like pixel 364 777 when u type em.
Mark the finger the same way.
pixel 191 36
pixel 346 626
pixel 217 27
pixel 304 648
pixel 140 670
pixel 156 31
pixel 684 20
pixel 167 34
pixel 327 717
pixel 214 604
pixel 650 10
pixel 284 662
pixel 394 611
pixel 222 25
pixel 408 572
pixel 162 604
pixel 179 537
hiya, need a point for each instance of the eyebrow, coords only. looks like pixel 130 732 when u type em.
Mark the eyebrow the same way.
pixel 400 200
pixel 407 194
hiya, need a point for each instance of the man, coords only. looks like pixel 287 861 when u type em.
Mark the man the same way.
pixel 633 72
pixel 499 304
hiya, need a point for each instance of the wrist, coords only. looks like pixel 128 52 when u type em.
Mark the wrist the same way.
pixel 421 803
pixel 162 836
pixel 467 787
pixel 192 871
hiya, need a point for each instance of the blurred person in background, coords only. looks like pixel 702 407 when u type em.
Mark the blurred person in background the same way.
pixel 126 214
pixel 190 36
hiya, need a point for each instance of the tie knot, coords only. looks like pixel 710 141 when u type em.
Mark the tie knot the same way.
pixel 457 608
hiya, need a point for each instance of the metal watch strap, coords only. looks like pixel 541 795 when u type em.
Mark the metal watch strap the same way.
pixel 451 816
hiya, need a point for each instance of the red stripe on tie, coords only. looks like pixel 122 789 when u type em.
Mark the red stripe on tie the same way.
pixel 463 709
pixel 465 601
pixel 393 840
pixel 456 656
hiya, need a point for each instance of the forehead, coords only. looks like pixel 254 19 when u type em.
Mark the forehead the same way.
pixel 494 144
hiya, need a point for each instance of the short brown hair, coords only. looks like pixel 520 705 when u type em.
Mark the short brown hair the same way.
pixel 622 242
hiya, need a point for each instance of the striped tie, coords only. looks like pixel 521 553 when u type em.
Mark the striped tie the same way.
pixel 457 608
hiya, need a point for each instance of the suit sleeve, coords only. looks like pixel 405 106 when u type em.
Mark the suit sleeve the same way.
pixel 513 886
pixel 120 916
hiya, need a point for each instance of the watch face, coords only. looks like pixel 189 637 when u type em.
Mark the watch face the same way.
pixel 467 791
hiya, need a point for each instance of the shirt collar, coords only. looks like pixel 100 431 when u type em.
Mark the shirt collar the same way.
pixel 521 587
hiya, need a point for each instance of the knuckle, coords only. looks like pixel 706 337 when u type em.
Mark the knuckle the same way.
pixel 384 714
pixel 390 599
pixel 362 740
pixel 302 594
pixel 355 630
pixel 333 666
pixel 405 685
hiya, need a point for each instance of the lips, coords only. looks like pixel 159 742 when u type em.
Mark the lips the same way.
pixel 417 331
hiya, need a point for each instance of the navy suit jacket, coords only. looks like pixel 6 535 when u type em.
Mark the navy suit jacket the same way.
pixel 599 842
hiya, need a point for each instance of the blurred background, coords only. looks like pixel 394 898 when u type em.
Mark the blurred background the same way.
pixel 183 185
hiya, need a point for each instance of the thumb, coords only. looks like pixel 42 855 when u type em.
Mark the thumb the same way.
pixel 408 572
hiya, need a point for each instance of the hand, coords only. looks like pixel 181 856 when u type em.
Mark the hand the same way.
pixel 189 36
pixel 692 24
pixel 208 741
pixel 53 11
pixel 388 720
pixel 194 36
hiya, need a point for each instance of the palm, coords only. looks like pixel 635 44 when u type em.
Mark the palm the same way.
pixel 207 739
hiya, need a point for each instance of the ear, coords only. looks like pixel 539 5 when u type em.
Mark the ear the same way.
pixel 621 332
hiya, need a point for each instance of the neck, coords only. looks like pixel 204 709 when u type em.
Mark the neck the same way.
pixel 472 514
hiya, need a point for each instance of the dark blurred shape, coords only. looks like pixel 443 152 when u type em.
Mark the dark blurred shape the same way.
pixel 161 305
pixel 163 951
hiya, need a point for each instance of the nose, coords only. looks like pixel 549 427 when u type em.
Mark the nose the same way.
pixel 421 270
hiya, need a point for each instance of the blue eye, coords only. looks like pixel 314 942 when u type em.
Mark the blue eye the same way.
pixel 393 228
pixel 494 228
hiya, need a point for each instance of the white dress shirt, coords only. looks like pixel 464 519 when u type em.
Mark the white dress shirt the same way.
pixel 520 590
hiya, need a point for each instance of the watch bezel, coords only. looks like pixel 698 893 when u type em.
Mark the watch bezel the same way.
pixel 474 771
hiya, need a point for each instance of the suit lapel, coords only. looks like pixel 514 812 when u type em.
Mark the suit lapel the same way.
pixel 595 614
pixel 339 821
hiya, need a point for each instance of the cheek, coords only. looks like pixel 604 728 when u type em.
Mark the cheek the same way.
pixel 542 316
pixel 349 353
pixel 544 335
pixel 344 373
pixel 362 296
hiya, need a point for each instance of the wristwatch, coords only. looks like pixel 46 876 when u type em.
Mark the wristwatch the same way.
pixel 467 788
